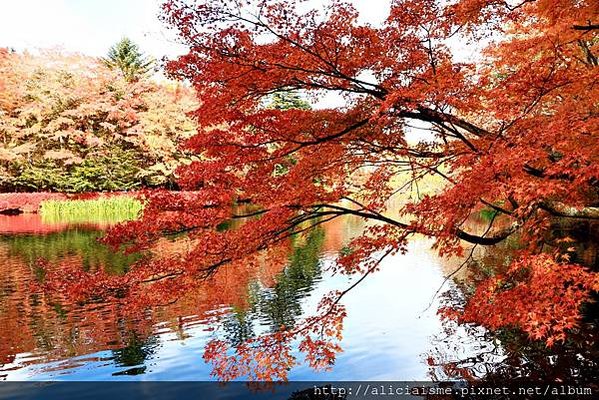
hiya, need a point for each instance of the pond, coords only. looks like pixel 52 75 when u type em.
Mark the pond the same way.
pixel 391 331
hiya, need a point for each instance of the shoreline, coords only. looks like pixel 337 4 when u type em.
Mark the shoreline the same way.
pixel 16 203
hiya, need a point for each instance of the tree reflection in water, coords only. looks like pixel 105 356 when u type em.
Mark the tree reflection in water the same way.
pixel 80 241
pixel 135 354
pixel 242 303
pixel 509 355
pixel 54 327
pixel 279 305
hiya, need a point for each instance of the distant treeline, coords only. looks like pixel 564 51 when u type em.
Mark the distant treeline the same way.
pixel 70 123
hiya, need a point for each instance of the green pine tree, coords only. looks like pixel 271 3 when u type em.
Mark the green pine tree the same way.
pixel 288 100
pixel 126 56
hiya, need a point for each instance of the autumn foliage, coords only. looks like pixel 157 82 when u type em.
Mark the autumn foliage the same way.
pixel 69 123
pixel 514 129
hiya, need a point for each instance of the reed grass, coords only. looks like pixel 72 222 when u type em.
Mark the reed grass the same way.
pixel 101 210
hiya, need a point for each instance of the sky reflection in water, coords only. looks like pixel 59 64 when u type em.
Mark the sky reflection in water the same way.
pixel 389 331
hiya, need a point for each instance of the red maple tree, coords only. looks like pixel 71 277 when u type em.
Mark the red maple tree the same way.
pixel 514 131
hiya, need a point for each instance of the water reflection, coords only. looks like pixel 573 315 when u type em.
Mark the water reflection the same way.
pixel 509 355
pixel 135 354
pixel 387 332
pixel 281 304
pixel 78 242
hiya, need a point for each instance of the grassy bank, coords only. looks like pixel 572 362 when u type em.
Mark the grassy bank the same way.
pixel 101 210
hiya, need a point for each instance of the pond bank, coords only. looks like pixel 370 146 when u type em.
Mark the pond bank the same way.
pixel 19 203
pixel 28 203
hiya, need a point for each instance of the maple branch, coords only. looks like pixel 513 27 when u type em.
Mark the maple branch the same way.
pixel 335 72
pixel 430 115
pixel 316 141
pixel 496 207
pixel 337 135
pixel 563 210
pixel 343 293
pixel 483 240
pixel 319 222
pixel 308 324
pixel 488 241
pixel 462 265
pixel 540 173
pixel 517 6
pixel 157 278
pixel 333 67
pixel 586 28
pixel 440 119
pixel 591 58
pixel 369 214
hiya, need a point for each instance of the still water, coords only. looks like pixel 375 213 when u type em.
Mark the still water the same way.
pixel 390 332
